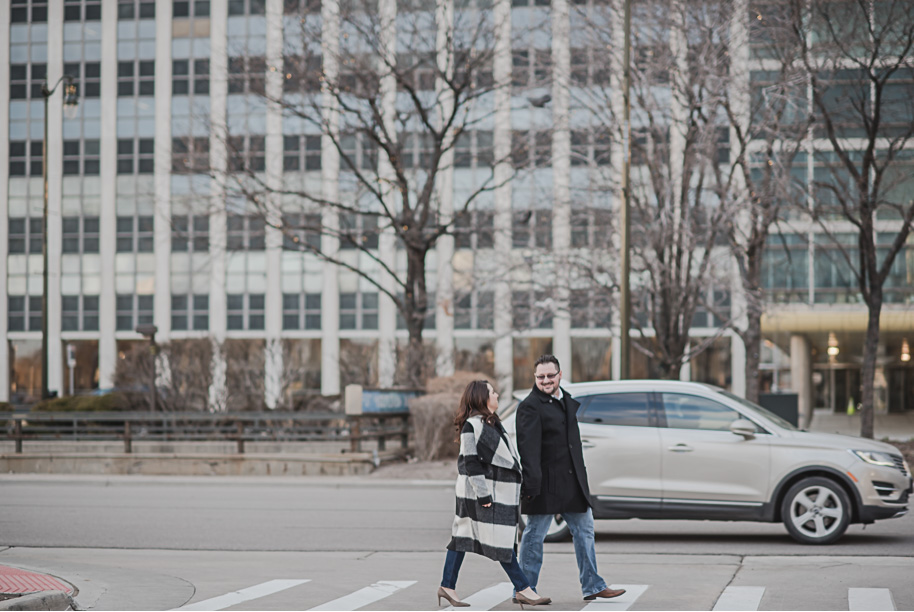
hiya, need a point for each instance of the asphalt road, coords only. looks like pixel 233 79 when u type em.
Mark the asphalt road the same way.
pixel 274 514
pixel 146 543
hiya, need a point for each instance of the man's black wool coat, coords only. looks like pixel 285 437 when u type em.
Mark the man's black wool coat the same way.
pixel 551 455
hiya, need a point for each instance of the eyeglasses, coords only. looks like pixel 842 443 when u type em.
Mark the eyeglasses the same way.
pixel 546 376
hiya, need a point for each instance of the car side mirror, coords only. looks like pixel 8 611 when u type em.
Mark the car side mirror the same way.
pixel 744 428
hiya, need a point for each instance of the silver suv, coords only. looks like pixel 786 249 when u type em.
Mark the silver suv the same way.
pixel 678 450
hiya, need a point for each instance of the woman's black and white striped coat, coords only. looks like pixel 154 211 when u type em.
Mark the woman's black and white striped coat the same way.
pixel 489 471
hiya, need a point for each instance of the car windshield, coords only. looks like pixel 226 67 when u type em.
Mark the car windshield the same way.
pixel 780 422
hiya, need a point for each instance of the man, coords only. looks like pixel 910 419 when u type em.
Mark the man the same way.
pixel 555 480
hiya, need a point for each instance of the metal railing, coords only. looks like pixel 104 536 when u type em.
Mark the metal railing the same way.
pixel 239 427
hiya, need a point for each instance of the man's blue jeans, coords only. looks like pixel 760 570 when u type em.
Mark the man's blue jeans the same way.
pixel 581 525
pixel 452 568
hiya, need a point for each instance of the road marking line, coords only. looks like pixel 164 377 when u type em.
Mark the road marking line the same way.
pixel 487 599
pixel 233 599
pixel 740 598
pixel 870 599
pixel 368 595
pixel 622 602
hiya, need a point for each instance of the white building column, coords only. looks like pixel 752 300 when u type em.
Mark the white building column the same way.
pixel 330 191
pixel 444 311
pixel 801 377
pixel 273 362
pixel 561 182
pixel 162 181
pixel 54 229
pixel 617 152
pixel 387 242
pixel 502 63
pixel 4 209
pixel 218 96
pixel 107 248
pixel 739 102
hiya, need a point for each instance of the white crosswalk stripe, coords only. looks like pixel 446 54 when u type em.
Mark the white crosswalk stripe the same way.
pixel 870 599
pixel 740 598
pixel 233 599
pixel 368 595
pixel 622 602
pixel 487 599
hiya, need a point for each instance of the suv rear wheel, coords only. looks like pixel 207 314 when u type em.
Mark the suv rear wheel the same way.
pixel 816 510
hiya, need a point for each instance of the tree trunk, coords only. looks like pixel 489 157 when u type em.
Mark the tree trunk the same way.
pixel 416 308
pixel 752 337
pixel 870 349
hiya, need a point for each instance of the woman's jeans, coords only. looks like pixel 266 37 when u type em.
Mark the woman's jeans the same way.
pixel 452 568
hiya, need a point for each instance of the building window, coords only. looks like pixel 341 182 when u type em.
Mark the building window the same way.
pixel 475 230
pixel 81 157
pixel 26 81
pixel 359 310
pixel 79 313
pixel 246 74
pixel 785 268
pixel 79 10
pixel 190 155
pixel 190 8
pixel 133 310
pixel 301 311
pixel 135 234
pixel 190 233
pixel 19 11
pixel 190 312
pixel 475 310
pixel 26 158
pixel 87 77
pixel 532 229
pixel 136 78
pixel 246 233
pixel 301 231
pixel 591 227
pixel 245 311
pixel 190 73
pixel 589 308
pixel 295 7
pixel 246 153
pixel 136 9
pixel 302 74
pixel 24 312
pixel 529 313
pixel 73 238
pixel 358 231
pixel 135 155
pixel 247 7
pixel 301 152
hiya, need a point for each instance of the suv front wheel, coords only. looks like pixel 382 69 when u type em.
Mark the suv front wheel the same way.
pixel 558 529
pixel 816 510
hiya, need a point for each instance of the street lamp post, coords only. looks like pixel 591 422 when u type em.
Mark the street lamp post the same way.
pixel 70 100
pixel 149 331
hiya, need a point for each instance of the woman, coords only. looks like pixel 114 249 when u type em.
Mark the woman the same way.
pixel 488 495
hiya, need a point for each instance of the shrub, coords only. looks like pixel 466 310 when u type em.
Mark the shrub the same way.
pixel 433 415
pixel 110 402
pixel 6 407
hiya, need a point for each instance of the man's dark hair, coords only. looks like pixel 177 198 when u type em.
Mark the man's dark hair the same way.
pixel 547 359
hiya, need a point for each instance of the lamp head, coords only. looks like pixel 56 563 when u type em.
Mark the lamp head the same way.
pixel 148 331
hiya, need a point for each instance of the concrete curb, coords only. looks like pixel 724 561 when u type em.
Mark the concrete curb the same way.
pixel 45 600
pixel 333 482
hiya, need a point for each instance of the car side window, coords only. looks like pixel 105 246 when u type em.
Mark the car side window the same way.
pixel 617 409
pixel 693 412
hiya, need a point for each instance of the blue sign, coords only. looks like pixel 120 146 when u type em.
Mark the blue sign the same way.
pixel 384 400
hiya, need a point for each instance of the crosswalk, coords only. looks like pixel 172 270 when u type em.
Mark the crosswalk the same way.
pixel 732 598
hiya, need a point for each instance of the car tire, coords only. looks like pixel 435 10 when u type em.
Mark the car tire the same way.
pixel 816 510
pixel 558 529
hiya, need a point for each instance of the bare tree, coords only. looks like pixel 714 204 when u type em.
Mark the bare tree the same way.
pixel 859 57
pixel 677 115
pixel 183 387
pixel 409 90
pixel 768 123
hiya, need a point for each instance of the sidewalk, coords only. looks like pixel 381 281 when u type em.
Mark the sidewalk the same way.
pixel 24 590
pixel 895 426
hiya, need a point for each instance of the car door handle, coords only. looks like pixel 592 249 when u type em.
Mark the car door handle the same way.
pixel 681 448
pixel 587 444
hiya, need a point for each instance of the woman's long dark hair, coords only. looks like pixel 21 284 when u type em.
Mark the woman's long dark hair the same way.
pixel 475 400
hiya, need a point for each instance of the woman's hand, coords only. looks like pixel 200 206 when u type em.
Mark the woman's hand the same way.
pixel 489 505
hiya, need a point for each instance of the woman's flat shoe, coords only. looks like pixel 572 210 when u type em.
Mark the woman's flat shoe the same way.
pixel 454 602
pixel 539 601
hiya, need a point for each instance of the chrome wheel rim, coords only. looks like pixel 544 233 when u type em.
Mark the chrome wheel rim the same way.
pixel 557 524
pixel 816 512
